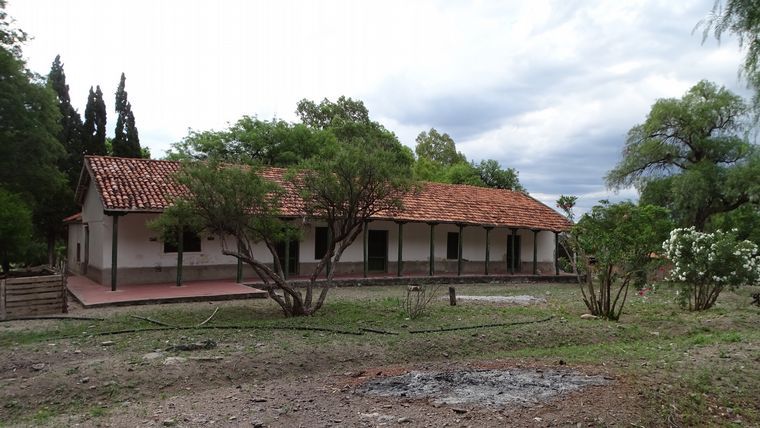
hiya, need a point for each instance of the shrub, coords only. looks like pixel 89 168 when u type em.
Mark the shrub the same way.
pixel 704 264
pixel 613 244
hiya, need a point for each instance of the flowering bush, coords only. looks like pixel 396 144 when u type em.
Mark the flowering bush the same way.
pixel 706 263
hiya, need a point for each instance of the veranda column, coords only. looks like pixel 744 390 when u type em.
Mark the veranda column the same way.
pixel 114 248
pixel 535 251
pixel 329 244
pixel 431 269
pixel 180 252
pixel 459 251
pixel 556 253
pixel 239 273
pixel 365 240
pixel 488 251
pixel 513 262
pixel 400 257
pixel 286 270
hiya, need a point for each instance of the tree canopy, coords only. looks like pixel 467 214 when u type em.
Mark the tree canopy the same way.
pixel 741 19
pixel 269 142
pixel 691 155
pixel 438 148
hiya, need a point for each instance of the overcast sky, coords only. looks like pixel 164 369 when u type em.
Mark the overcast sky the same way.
pixel 547 87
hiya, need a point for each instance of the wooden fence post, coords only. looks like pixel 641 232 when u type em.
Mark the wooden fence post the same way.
pixel 2 299
pixel 452 296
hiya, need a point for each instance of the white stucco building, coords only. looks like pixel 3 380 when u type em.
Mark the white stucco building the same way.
pixel 119 196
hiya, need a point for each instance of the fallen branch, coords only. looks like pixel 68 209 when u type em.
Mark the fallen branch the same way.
pixel 372 330
pixel 470 327
pixel 218 327
pixel 54 318
pixel 152 320
pixel 209 318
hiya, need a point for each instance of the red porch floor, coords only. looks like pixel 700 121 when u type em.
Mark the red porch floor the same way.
pixel 91 294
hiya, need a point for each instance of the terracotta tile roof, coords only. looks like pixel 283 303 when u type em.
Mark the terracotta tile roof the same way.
pixel 146 185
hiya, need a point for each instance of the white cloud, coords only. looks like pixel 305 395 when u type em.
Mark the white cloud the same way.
pixel 549 87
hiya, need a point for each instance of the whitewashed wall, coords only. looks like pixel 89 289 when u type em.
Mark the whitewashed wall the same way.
pixel 92 215
pixel 140 247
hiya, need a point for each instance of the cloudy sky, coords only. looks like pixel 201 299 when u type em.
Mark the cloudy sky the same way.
pixel 547 87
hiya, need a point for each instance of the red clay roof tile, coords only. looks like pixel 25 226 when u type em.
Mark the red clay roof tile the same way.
pixel 126 184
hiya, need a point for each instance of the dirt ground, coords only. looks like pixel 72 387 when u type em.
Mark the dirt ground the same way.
pixel 233 390
pixel 228 386
pixel 273 379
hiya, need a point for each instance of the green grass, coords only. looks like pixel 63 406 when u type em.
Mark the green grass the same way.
pixel 689 367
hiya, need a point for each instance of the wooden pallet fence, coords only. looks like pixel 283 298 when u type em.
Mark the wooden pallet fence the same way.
pixel 32 296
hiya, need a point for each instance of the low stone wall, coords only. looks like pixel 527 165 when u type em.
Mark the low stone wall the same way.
pixel 32 296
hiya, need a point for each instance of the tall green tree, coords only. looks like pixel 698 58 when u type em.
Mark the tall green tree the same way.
pixel 29 147
pixel 437 147
pixel 126 141
pixel 439 161
pixel 94 128
pixel 740 18
pixel 691 155
pixel 348 120
pixel 492 175
pixel 70 135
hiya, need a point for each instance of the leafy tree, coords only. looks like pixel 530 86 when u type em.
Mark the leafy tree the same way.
pixel 439 148
pixel 242 208
pixel 70 135
pixel 345 116
pixel 274 142
pixel 126 141
pixel 439 161
pixel 348 120
pixel 493 176
pixel 706 263
pixel 463 173
pixel 15 228
pixel 352 171
pixel 741 19
pixel 345 186
pixel 612 244
pixel 29 147
pixel 690 155
pixel 94 129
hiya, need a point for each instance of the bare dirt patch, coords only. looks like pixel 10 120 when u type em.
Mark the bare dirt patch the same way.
pixel 490 388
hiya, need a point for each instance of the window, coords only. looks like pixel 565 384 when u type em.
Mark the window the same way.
pixel 320 242
pixel 191 243
pixel 79 252
pixel 452 246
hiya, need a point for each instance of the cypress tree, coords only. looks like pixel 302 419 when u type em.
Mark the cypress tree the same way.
pixel 70 134
pixel 126 142
pixel 94 130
